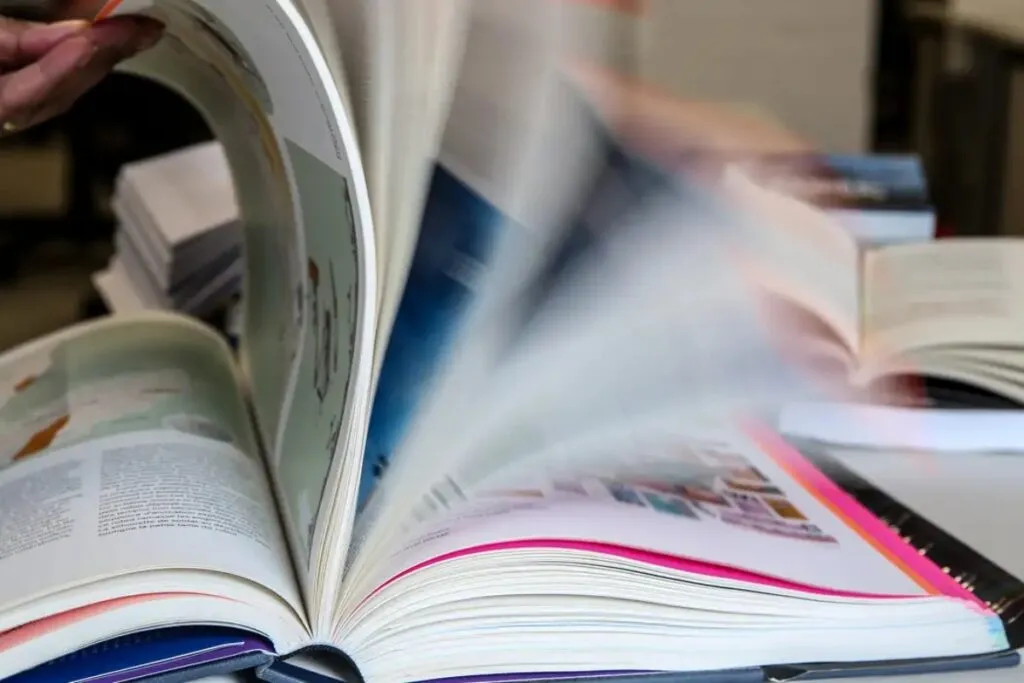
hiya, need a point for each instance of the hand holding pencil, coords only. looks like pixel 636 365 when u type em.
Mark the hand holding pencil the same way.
pixel 46 67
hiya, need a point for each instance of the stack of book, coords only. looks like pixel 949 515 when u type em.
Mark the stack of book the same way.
pixel 882 199
pixel 178 244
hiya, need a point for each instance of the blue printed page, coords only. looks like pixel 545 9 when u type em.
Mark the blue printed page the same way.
pixel 457 238
pixel 463 234
pixel 476 189
pixel 158 652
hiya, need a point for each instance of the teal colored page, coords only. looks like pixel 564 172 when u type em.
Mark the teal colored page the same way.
pixel 313 423
pixel 119 378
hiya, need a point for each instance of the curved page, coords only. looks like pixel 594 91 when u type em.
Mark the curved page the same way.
pixel 255 71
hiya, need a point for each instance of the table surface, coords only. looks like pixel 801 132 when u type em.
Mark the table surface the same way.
pixel 977 498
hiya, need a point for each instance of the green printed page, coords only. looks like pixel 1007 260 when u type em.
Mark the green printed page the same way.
pixel 313 423
pixel 120 377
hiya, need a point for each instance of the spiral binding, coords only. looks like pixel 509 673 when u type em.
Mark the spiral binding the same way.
pixel 1002 592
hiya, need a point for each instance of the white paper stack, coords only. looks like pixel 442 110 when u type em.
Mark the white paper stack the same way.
pixel 178 241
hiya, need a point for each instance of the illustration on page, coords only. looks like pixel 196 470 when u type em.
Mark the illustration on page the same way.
pixel 700 484
pixel 102 384
pixel 314 422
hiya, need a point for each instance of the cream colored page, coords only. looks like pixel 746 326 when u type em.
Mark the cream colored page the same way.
pixel 308 231
pixel 317 14
pixel 961 293
pixel 965 367
pixel 424 70
pixel 800 253
pixel 126 444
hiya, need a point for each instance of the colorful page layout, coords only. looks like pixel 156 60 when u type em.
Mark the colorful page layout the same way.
pixel 717 502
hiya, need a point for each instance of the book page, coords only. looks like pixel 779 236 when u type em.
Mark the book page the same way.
pixel 585 331
pixel 799 252
pixel 429 39
pixel 317 14
pixel 953 293
pixel 732 542
pixel 588 359
pixel 310 286
pixel 401 59
pixel 126 445
pixel 475 201
pixel 706 494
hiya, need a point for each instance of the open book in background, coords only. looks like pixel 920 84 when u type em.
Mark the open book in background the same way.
pixel 949 311
pixel 178 241
pixel 566 493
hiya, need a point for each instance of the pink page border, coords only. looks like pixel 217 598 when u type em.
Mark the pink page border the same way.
pixel 919 568
pixel 672 562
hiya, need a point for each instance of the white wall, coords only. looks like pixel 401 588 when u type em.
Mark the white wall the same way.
pixel 806 62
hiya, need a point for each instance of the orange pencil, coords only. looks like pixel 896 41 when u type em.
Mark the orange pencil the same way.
pixel 107 9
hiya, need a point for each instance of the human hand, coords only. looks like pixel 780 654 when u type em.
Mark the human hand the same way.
pixel 45 68
pixel 670 128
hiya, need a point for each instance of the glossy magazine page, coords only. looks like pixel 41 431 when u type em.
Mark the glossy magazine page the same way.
pixel 257 74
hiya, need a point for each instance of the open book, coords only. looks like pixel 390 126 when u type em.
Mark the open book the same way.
pixel 171 511
pixel 949 310
pixel 127 445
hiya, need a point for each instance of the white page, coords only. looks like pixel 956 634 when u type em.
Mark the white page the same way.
pixel 500 178
pixel 187 192
pixel 926 429
pixel 401 59
pixel 803 252
pixel 364 44
pixel 812 548
pixel 609 346
pixel 311 269
pixel 431 40
pixel 317 14
pixel 132 435
pixel 118 291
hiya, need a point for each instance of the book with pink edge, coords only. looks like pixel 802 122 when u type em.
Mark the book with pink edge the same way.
pixel 755 489
pixel 718 554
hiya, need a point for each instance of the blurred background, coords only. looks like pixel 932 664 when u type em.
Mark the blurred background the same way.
pixel 939 79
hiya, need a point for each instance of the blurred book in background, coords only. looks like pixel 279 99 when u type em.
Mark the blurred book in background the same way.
pixel 178 244
pixel 880 198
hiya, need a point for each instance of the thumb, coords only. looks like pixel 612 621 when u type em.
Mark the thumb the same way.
pixel 25 41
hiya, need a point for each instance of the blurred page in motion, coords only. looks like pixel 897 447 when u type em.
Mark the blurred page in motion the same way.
pixel 701 491
pixel 501 116
pixel 629 299
pixel 402 60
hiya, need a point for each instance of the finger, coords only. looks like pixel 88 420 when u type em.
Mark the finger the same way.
pixel 67 92
pixel 51 84
pixel 654 118
pixel 26 90
pixel 24 41
pixel 125 35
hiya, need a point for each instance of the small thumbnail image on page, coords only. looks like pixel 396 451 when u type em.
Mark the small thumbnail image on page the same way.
pixel 701 484
pixel 102 384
